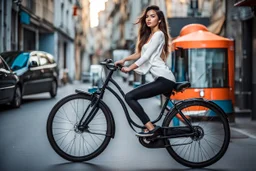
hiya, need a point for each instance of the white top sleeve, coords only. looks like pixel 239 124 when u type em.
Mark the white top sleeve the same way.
pixel 156 40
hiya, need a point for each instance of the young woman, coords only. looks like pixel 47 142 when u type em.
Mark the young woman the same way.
pixel 151 52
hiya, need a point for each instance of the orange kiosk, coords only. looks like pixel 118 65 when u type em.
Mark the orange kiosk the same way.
pixel 205 60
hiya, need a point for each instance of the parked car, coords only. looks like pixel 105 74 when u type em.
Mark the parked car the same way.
pixel 37 71
pixel 86 77
pixel 97 75
pixel 10 87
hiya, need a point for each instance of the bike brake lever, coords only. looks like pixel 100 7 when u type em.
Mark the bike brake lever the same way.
pixel 119 66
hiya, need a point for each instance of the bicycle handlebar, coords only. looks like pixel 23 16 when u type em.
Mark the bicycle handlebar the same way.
pixel 110 65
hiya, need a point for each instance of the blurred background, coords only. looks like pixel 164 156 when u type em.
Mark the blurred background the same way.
pixel 81 33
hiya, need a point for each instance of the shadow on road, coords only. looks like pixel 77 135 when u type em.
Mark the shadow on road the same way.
pixel 73 166
pixel 35 99
pixel 189 169
pixel 90 166
pixel 6 107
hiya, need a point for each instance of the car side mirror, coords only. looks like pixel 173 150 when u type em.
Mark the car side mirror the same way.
pixel 33 64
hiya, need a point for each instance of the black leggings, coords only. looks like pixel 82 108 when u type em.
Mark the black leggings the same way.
pixel 159 86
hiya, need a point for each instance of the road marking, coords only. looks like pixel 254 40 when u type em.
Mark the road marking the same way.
pixel 244 132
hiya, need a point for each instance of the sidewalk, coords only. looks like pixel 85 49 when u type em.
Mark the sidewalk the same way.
pixel 243 127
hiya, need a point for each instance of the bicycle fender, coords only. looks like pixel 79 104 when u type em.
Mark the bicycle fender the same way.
pixel 82 92
pixel 113 128
pixel 218 107
pixel 180 103
pixel 208 101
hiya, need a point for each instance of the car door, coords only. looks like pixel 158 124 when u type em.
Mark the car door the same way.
pixel 31 78
pixel 46 72
pixel 8 81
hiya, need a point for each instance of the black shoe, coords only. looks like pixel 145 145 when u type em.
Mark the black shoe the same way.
pixel 155 131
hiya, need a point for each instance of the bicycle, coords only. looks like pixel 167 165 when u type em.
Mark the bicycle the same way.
pixel 195 132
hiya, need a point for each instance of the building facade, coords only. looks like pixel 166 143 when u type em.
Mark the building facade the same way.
pixel 82 34
pixel 8 30
pixel 64 36
pixel 48 25
pixel 240 26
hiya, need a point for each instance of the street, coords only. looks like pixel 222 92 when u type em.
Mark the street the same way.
pixel 24 145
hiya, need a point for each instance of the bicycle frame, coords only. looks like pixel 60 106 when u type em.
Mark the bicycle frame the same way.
pixel 98 95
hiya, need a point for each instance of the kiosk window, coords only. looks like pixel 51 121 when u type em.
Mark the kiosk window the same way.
pixel 204 68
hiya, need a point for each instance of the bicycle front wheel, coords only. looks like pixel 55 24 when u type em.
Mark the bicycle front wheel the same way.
pixel 212 136
pixel 65 137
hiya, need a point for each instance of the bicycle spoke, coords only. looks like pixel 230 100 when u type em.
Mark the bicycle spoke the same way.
pixel 210 146
pixel 72 141
pixel 64 119
pixel 62 122
pixel 63 138
pixel 209 137
pixel 75 109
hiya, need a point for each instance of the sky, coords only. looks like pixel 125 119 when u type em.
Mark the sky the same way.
pixel 95 7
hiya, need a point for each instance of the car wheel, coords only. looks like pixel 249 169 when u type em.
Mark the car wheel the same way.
pixel 53 91
pixel 16 102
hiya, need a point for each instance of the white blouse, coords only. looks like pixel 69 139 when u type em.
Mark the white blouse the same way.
pixel 151 61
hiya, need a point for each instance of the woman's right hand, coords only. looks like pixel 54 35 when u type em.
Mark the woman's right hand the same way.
pixel 121 62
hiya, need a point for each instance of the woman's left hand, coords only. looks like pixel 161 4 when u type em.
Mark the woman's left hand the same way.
pixel 125 69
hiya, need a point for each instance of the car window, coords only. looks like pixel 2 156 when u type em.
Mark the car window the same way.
pixel 9 57
pixel 16 60
pixel 20 61
pixel 50 58
pixel 43 59
pixel 35 59
pixel 2 64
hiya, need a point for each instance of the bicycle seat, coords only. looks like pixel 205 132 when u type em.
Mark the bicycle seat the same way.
pixel 178 87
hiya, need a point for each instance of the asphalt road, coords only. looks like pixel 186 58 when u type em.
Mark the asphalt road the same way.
pixel 24 145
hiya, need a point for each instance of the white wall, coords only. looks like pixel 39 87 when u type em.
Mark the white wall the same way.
pixel 61 19
pixel 64 21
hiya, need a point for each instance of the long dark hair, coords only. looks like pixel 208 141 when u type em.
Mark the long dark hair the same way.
pixel 145 31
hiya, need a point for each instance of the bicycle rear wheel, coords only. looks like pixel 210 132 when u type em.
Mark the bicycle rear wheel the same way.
pixel 65 137
pixel 211 141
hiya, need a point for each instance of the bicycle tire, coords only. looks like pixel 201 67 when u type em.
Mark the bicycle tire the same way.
pixel 52 135
pixel 217 114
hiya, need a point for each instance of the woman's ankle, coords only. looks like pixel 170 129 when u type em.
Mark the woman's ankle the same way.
pixel 149 126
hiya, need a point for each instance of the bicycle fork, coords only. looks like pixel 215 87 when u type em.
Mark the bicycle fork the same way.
pixel 83 125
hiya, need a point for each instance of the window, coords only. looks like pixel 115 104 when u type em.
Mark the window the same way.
pixel 34 58
pixel 43 59
pixel 203 68
pixel 50 58
pixel 20 61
